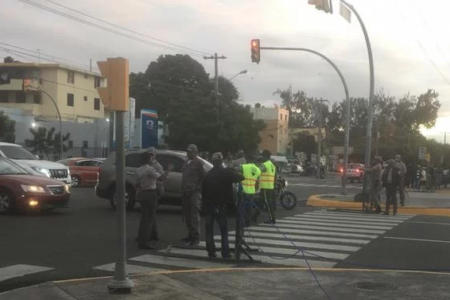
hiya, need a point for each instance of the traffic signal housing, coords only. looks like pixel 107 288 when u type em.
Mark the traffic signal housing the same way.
pixel 256 51
pixel 324 5
pixel 115 96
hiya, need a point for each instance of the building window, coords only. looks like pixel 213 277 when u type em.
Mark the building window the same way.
pixel 86 75
pixel 85 144
pixel 37 98
pixel 281 117
pixel 70 77
pixel 85 98
pixel 96 82
pixel 97 103
pixel 285 118
pixel 70 100
pixel 70 144
pixel 21 97
pixel 3 96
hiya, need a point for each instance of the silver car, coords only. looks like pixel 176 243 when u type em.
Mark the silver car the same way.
pixel 106 184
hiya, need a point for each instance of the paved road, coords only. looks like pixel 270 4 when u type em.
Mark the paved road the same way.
pixel 80 241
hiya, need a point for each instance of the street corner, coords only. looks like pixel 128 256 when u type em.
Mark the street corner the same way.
pixel 334 201
pixel 426 211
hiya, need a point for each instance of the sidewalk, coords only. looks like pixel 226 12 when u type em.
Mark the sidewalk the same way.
pixel 252 283
pixel 418 203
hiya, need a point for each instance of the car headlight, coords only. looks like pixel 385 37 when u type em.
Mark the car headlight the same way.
pixel 32 188
pixel 67 188
pixel 44 171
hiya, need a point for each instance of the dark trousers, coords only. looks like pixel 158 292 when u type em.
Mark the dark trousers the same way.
pixel 191 213
pixel 270 203
pixel 147 223
pixel 216 213
pixel 391 198
pixel 401 189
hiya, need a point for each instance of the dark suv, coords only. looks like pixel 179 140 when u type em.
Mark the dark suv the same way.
pixel 105 187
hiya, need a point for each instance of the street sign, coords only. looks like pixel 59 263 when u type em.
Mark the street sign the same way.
pixel 428 157
pixel 422 152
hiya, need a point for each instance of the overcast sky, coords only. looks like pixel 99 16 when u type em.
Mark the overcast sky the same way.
pixel 410 41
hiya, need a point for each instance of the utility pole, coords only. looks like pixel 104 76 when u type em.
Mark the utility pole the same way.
pixel 319 134
pixel 216 74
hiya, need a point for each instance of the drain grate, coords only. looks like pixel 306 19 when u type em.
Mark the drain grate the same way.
pixel 375 286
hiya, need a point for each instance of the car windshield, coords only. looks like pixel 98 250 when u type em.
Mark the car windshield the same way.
pixel 17 152
pixel 8 168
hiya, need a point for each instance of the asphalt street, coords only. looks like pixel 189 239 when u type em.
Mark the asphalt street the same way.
pixel 80 241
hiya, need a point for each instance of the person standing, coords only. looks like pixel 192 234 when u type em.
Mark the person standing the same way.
pixel 240 160
pixel 217 195
pixel 391 181
pixel 375 182
pixel 251 174
pixel 402 167
pixel 267 184
pixel 439 173
pixel 191 183
pixel 146 183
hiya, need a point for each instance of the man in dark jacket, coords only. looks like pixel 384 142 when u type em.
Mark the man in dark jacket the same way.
pixel 391 181
pixel 217 193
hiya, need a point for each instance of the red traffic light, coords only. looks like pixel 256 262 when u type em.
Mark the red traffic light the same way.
pixel 255 50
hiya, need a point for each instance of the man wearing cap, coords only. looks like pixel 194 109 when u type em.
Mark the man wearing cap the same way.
pixel 191 182
pixel 375 182
pixel 251 174
pixel 391 181
pixel 217 194
pixel 267 185
pixel 402 167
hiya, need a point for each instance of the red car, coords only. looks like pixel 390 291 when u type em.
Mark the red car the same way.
pixel 20 190
pixel 84 171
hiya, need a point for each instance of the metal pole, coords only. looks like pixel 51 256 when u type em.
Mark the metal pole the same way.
pixel 216 79
pixel 371 92
pixel 120 282
pixel 319 137
pixel 347 99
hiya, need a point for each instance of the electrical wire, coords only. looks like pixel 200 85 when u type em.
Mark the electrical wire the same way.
pixel 126 29
pixel 110 30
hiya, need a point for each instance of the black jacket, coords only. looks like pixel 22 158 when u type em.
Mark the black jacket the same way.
pixel 395 177
pixel 217 187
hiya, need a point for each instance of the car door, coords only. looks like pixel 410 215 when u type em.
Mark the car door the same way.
pixel 91 168
pixel 172 185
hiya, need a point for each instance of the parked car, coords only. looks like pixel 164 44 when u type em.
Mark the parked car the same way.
pixel 20 190
pixel 105 187
pixel 83 171
pixel 354 172
pixel 33 164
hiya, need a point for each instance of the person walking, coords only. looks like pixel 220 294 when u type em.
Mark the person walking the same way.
pixel 391 181
pixel 146 184
pixel 402 167
pixel 375 182
pixel 191 183
pixel 217 196
pixel 251 175
pixel 267 185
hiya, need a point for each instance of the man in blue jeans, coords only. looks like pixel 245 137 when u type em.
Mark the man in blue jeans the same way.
pixel 217 194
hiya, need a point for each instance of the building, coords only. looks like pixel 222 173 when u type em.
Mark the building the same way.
pixel 275 137
pixel 74 91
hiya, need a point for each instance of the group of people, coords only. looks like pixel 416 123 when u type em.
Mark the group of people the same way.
pixel 392 178
pixel 429 179
pixel 213 193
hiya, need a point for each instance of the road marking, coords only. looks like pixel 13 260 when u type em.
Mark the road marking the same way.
pixel 284 235
pixel 323 185
pixel 20 270
pixel 336 225
pixel 397 218
pixel 361 214
pixel 298 226
pixel 309 218
pixel 131 269
pixel 416 240
pixel 431 223
pixel 368 219
pixel 178 262
pixel 314 232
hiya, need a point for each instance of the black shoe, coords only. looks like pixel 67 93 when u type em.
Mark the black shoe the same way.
pixel 146 246
pixel 194 242
pixel 212 255
pixel 227 256
pixel 186 239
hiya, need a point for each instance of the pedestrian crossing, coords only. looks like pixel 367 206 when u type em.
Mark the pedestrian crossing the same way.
pixel 20 270
pixel 322 237
pixel 324 185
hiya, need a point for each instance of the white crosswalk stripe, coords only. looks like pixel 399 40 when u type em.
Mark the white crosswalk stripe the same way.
pixel 322 237
pixel 323 185
pixel 20 270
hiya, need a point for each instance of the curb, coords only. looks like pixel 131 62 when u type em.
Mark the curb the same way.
pixel 317 201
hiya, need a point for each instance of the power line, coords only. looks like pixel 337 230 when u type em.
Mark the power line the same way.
pixel 126 29
pixel 74 18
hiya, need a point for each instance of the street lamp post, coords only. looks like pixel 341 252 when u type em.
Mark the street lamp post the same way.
pixel 319 135
pixel 241 72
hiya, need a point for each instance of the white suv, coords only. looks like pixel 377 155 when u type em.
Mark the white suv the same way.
pixel 33 164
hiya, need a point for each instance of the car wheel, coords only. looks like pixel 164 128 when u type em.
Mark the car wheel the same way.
pixel 7 201
pixel 76 181
pixel 129 198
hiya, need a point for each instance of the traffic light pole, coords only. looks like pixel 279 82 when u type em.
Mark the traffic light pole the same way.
pixel 347 99
pixel 216 75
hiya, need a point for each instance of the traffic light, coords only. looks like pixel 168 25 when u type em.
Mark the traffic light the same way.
pixel 5 78
pixel 324 5
pixel 115 96
pixel 256 52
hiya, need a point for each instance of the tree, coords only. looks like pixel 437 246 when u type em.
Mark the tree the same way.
pixel 56 143
pixel 8 59
pixel 7 129
pixel 46 142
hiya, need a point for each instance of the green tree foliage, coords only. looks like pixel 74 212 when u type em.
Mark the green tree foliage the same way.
pixel 7 129
pixel 179 88
pixel 46 142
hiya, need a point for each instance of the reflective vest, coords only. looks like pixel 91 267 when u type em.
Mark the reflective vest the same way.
pixel 268 176
pixel 251 174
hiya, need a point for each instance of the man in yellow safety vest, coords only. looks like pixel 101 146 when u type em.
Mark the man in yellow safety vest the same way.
pixel 267 185
pixel 251 175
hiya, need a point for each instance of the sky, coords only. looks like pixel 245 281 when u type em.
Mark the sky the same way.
pixel 409 38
